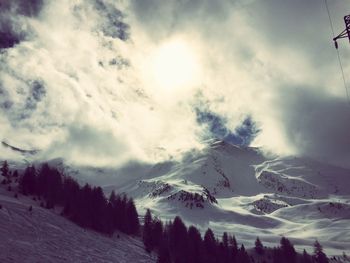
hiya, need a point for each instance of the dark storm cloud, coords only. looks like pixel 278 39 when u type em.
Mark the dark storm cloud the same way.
pixel 300 25
pixel 12 12
pixel 317 124
pixel 22 7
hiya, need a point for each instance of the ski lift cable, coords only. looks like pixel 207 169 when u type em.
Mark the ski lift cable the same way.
pixel 338 55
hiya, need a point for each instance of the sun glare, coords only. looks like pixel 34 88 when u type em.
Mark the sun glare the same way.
pixel 174 65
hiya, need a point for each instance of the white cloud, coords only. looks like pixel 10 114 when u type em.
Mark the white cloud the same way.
pixel 92 107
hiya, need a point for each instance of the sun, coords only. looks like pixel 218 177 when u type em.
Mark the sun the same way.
pixel 175 65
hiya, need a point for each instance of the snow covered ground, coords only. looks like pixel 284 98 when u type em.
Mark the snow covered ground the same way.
pixel 239 190
pixel 44 236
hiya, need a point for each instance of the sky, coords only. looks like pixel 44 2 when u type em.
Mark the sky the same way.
pixel 103 82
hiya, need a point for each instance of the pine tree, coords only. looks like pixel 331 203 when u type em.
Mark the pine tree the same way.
pixel 163 253
pixel 288 250
pixel 112 215
pixel 133 224
pixel 27 184
pixel 121 207
pixel 42 180
pixel 112 197
pixel 178 240
pixel 225 253
pixel 319 255
pixel 210 246
pixel 195 248
pixel 70 192
pixel 243 256
pixel 259 248
pixel 54 188
pixel 306 258
pixel 277 255
pixel 225 239
pixel 147 232
pixel 234 248
pixel 157 230
pixel 5 172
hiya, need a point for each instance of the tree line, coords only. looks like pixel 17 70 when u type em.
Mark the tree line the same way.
pixel 173 242
pixel 87 206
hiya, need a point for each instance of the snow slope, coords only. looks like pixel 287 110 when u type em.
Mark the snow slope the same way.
pixel 44 236
pixel 239 190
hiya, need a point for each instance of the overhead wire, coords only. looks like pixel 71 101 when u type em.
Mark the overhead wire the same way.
pixel 338 54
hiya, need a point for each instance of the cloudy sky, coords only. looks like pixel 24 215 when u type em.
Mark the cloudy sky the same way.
pixel 103 82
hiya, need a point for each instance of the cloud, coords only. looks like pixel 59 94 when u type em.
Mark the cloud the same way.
pixel 317 124
pixel 268 60
pixel 75 78
pixel 73 92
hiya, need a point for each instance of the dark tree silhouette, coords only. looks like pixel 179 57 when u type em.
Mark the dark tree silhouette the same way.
pixel 306 258
pixel 243 256
pixel 27 184
pixel 234 248
pixel 5 171
pixel 178 242
pixel 288 251
pixel 147 232
pixel 133 224
pixel 277 256
pixel 157 230
pixel 259 248
pixel 210 246
pixel 224 249
pixel 195 247
pixel 319 256
pixel 164 254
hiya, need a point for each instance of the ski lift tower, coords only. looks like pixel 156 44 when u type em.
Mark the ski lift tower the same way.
pixel 345 33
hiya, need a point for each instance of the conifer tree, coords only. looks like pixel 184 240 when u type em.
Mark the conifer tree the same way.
pixel 210 246
pixel 157 230
pixel 259 248
pixel 133 224
pixel 243 256
pixel 234 248
pixel 163 253
pixel 178 241
pixel 5 172
pixel 195 248
pixel 288 250
pixel 147 231
pixel 225 253
pixel 27 184
pixel 277 255
pixel 306 258
pixel 319 256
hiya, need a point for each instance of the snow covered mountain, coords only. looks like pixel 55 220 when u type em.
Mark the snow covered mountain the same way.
pixel 239 190
pixel 234 189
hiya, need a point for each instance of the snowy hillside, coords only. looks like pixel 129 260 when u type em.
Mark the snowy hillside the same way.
pixel 239 190
pixel 44 236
